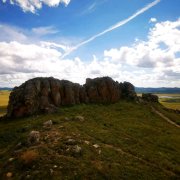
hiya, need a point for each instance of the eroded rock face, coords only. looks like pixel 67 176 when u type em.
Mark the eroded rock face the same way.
pixel 46 94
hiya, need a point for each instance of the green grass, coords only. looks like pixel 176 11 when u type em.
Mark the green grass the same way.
pixel 134 143
pixel 4 98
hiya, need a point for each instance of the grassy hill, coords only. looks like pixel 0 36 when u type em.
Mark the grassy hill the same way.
pixel 118 141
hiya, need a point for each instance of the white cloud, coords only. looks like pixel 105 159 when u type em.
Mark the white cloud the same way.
pixel 157 55
pixel 152 20
pixel 33 5
pixel 11 33
pixel 42 31
pixel 146 63
pixel 35 35
pixel 16 57
pixel 59 47
pixel 14 33
pixel 92 7
pixel 159 51
pixel 20 62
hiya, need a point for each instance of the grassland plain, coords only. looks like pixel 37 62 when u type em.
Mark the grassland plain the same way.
pixel 170 100
pixel 132 142
pixel 4 98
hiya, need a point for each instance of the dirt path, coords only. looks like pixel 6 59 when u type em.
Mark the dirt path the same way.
pixel 164 117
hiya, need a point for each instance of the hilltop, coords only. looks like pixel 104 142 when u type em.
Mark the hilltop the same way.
pixel 131 138
pixel 124 140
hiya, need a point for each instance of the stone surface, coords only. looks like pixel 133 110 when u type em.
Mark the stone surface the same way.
pixel 34 137
pixel 79 118
pixel 71 142
pixel 96 146
pixel 47 94
pixel 9 175
pixel 77 149
pixel 150 97
pixel 48 124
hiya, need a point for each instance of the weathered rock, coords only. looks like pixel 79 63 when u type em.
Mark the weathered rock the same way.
pixel 79 118
pixel 67 119
pixel 48 124
pixel 33 137
pixel 102 90
pixel 87 142
pixel 150 98
pixel 96 146
pixel 11 159
pixel 71 142
pixel 46 94
pixel 128 91
pixel 77 149
pixel 9 174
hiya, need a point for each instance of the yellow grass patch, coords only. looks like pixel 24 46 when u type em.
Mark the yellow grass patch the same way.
pixel 4 98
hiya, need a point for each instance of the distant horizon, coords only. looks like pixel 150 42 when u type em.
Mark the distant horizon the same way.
pixel 138 42
pixel 11 87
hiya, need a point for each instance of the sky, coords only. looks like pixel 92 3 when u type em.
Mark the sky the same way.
pixel 129 40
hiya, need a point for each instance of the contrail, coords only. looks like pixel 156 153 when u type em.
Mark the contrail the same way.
pixel 115 26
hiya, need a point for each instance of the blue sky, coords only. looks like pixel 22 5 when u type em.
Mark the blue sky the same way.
pixel 47 38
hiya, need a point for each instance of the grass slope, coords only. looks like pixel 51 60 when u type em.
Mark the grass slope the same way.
pixel 134 143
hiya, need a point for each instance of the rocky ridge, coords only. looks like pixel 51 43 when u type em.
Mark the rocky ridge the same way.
pixel 46 94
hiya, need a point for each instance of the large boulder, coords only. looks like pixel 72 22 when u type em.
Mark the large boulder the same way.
pixel 128 91
pixel 102 90
pixel 46 94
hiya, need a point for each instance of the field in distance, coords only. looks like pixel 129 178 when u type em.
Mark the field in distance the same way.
pixel 4 98
pixel 171 101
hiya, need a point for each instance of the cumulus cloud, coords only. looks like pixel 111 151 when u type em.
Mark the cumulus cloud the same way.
pixel 20 62
pixel 152 20
pixel 155 62
pixel 33 5
pixel 25 58
pixel 159 51
pixel 158 55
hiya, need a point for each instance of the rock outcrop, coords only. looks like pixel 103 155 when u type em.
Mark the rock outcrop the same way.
pixel 46 94
pixel 148 97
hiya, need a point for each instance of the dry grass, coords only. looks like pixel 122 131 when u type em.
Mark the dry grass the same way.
pixel 29 156
pixel 4 98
